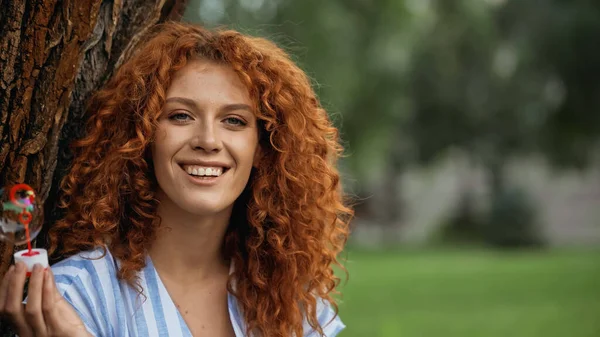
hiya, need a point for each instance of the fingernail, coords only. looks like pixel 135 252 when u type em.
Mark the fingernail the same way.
pixel 20 267
pixel 37 267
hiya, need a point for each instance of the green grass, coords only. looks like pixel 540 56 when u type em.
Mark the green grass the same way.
pixel 472 293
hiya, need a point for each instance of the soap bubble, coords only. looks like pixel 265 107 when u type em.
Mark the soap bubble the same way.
pixel 18 214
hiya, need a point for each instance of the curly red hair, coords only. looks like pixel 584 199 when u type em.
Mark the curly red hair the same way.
pixel 287 227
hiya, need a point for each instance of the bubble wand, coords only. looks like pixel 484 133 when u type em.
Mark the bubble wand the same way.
pixel 21 202
pixel 25 215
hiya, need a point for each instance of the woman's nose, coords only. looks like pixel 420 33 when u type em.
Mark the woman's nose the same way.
pixel 207 139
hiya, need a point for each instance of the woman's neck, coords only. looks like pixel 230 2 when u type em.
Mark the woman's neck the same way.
pixel 189 247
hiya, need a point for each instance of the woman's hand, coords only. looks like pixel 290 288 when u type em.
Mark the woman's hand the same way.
pixel 46 313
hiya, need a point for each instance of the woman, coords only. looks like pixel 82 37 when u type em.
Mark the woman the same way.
pixel 204 200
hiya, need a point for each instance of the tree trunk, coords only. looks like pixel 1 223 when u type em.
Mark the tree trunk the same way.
pixel 53 55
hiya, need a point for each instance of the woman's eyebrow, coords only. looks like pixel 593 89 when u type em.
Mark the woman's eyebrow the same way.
pixel 238 106
pixel 185 101
pixel 192 104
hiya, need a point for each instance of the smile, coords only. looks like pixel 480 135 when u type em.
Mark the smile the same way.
pixel 204 171
pixel 204 175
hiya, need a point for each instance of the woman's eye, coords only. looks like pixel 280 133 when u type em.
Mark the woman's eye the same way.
pixel 179 117
pixel 234 121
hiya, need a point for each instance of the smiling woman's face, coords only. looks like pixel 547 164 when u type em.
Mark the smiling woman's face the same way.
pixel 207 139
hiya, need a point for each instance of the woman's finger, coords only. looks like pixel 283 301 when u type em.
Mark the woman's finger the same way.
pixel 33 309
pixel 50 296
pixel 14 308
pixel 4 288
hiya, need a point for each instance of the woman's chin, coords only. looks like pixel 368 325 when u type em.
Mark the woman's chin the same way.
pixel 206 207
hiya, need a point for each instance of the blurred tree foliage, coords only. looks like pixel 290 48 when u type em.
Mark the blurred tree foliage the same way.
pixel 511 222
pixel 407 80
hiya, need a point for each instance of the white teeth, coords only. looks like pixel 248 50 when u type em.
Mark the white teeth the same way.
pixel 203 171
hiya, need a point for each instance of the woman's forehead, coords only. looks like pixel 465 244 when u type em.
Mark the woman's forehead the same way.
pixel 209 82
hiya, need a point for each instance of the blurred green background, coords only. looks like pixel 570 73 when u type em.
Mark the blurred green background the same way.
pixel 472 293
pixel 471 130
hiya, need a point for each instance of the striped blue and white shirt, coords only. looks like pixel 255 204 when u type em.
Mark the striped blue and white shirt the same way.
pixel 111 308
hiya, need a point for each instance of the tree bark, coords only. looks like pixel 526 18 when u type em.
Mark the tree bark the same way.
pixel 54 54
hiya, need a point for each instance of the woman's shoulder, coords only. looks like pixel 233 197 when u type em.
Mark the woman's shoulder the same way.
pixel 85 267
pixel 81 258
pixel 86 280
pixel 86 277
pixel 328 319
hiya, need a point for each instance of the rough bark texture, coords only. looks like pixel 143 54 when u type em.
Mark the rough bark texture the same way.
pixel 53 55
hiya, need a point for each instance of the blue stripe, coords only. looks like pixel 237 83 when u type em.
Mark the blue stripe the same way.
pixel 238 324
pixel 121 319
pixel 68 263
pixel 80 289
pixel 86 320
pixel 184 328
pixel 140 320
pixel 89 266
pixel 324 314
pixel 154 294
